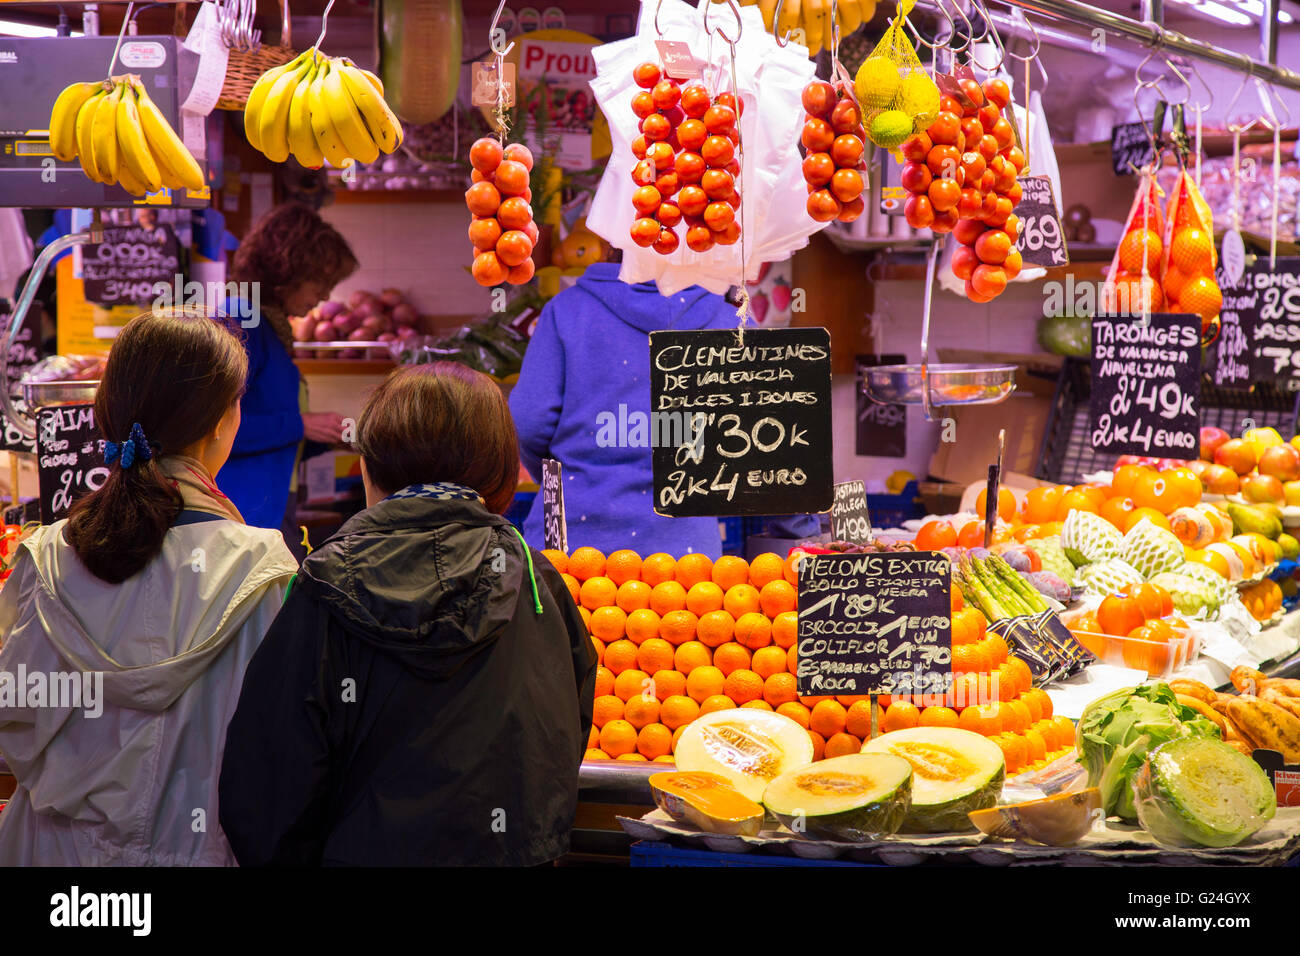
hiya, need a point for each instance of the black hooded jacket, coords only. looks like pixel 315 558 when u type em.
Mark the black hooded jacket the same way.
pixel 410 706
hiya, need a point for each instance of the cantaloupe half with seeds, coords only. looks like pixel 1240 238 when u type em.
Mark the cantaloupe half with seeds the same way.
pixel 748 747
pixel 1060 820
pixel 855 798
pixel 953 773
pixel 708 801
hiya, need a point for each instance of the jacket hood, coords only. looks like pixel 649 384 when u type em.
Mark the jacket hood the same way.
pixel 640 305
pixel 431 582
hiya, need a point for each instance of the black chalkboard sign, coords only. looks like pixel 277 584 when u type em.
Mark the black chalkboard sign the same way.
pixel 70 459
pixel 1130 148
pixel 1146 385
pixel 882 429
pixel 24 352
pixel 1229 358
pixel 125 268
pixel 555 529
pixel 850 519
pixel 875 623
pixel 1269 311
pixel 741 423
pixel 1041 240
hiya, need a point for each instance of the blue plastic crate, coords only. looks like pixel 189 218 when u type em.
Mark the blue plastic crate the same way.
pixel 651 853
pixel 890 511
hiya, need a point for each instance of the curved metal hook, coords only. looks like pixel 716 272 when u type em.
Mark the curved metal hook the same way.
pixel 970 28
pixel 1238 127
pixel 1200 79
pixel 1018 16
pixel 988 23
pixel 498 45
pixel 1267 98
pixel 735 11
pixel 1187 85
pixel 658 6
pixel 781 41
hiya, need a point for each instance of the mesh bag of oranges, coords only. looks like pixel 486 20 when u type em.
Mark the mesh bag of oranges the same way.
pixel 897 96
pixel 1133 285
pixel 1188 260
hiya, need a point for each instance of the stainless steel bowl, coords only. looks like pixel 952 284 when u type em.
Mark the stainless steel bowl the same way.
pixel 950 384
pixel 36 394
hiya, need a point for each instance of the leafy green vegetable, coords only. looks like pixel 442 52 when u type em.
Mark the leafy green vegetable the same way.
pixel 1116 732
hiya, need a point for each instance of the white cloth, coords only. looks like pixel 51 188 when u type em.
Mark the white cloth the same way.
pixel 137 785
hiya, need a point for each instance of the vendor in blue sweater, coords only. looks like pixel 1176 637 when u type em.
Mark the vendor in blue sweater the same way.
pixel 295 259
pixel 589 354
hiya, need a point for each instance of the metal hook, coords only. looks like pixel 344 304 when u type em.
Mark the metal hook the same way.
pixel 987 22
pixel 970 29
pixel 735 11
pixel 1239 127
pixel 658 6
pixel 1139 86
pixel 500 47
pixel 1200 79
pixel 1267 99
pixel 1018 16
pixel 1187 86
pixel 921 41
pixel 781 41
pixel 991 33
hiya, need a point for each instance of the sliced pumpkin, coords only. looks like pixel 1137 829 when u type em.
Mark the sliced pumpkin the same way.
pixel 1059 820
pixel 751 748
pixel 706 800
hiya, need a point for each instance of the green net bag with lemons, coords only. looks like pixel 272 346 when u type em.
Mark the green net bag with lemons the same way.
pixel 897 96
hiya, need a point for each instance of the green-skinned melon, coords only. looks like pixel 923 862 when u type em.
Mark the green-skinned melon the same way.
pixel 953 773
pixel 855 798
pixel 1087 537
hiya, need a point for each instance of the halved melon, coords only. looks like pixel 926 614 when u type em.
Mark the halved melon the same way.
pixel 856 797
pixel 1059 820
pixel 953 772
pixel 749 747
pixel 708 801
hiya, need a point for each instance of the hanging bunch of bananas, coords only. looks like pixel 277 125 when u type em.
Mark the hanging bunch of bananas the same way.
pixel 319 109
pixel 815 18
pixel 121 137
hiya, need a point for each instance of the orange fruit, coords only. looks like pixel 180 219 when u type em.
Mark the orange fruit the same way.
pixel 666 758
pixel 939 717
pixel 792 659
pixel 594 754
pixel 741 599
pixel 574 586
pixel 728 571
pixel 827 718
pixel 1192 251
pixel 1131 292
pixel 1015 750
pixel 618 737
pixel 838 745
pixel 1006 505
pixel 968 626
pixel 631 683
pixel 654 654
pixel 766 567
pixel 678 711
pixel 703 682
pixel 630 756
pixel 796 711
pixel 604 681
pixel 957 602
pixel 730 657
pixel 1044 702
pixel 1075 501
pixel 785 628
pixel 778 597
pixel 593 738
pixel 658 568
pixel 597 644
pixel 1140 245
pixel 857 719
pixel 678 732
pixel 558 559
pixel 997 646
pixel 1202 296
pixel 935 535
pixel 678 627
pixel 819 744
pixel 1065 731
pixel 624 565
pixel 790 570
pixel 1116 510
pixel 1173 283
pixel 692 569
pixel 1157 518
pixel 641 626
pixel 768 661
pixel 1037 745
pixel 1125 477
pixel 598 591
pixel 753 630
pixel 607 707
pixel 641 710
pixel 900 716
pixel 1007 683
pixel 691 655
pixel 668 596
pixel 668 683
pixel 620 656
pixel 980 719
pixel 633 596
pixel 586 563
pixel 608 623
pixel 779 690
pixel 703 598
pixel 715 628
pixel 968 658
pixel 716 702
pixel 1035 706
pixel 743 685
pixel 1040 503
pixel 654 741
pixel 1017 716
pixel 757 704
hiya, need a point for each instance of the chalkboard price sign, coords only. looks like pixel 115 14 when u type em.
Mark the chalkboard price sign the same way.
pixel 850 519
pixel 24 352
pixel 1230 356
pixel 1130 148
pixel 882 429
pixel 1146 385
pixel 1271 317
pixel 555 529
pixel 71 457
pixel 125 267
pixel 1041 240
pixel 741 423
pixel 875 624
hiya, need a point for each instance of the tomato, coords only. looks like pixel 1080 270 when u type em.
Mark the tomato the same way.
pixel 661 154
pixel 1003 133
pixel 818 135
pixel 1154 600
pixel 819 99
pixel 656 128
pixel 918 212
pixel 846 150
pixel 717 183
pixel 1144 652
pixel 972 90
pixel 646 75
pixel 846 116
pixel 988 280
pixel 964 262
pixel 514 213
pixel 645 232
pixel 692 134
pixel 489 270
pixel 643 104
pixel 718 215
pixel 692 200
pixel 1118 615
pixel 945 130
pixel 818 168
pixel 699 238
pixel 484 233
pixel 718 151
pixel 514 246
pixel 823 206
pixel 915 178
pixel 666 244
pixel 482 199
pixel 669 214
pixel 944 194
pixel 695 101
pixel 971 535
pixel 667 183
pixel 944 161
pixel 666 94
pixel 936 535
pixel 997 93
pixel 485 154
pixel 719 119
pixel 689 167
pixel 992 246
pixel 916 147
pixel 847 185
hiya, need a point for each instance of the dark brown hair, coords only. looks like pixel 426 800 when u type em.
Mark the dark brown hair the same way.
pixel 441 422
pixel 176 372
pixel 289 246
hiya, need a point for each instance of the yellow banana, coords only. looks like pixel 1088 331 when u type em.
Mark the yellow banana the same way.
pixel 768 9
pixel 814 16
pixel 849 16
pixel 327 137
pixel 126 179
pixel 257 97
pixel 85 122
pixel 789 19
pixel 168 150
pixel 347 118
pixel 828 28
pixel 137 162
pixel 868 8
pixel 103 135
pixel 385 128
pixel 302 140
pixel 374 81
pixel 273 125
pixel 63 119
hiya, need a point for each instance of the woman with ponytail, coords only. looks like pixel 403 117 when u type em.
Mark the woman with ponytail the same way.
pixel 142 610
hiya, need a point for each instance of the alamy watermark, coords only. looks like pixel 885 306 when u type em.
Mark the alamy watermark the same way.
pixel 57 689
pixel 236 300
pixel 637 429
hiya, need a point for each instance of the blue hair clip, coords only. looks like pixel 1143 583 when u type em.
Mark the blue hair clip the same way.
pixel 135 448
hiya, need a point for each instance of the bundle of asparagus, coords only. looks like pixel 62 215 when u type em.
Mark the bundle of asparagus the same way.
pixel 996 588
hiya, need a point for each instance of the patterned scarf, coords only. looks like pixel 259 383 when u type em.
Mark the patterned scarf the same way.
pixel 197 488
pixel 439 491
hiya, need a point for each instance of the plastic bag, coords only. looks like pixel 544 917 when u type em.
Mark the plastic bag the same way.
pixel 1189 259
pixel 1122 293
pixel 897 96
